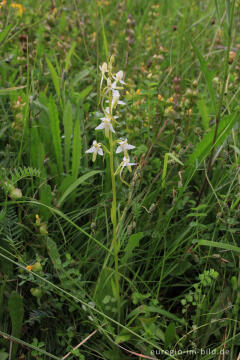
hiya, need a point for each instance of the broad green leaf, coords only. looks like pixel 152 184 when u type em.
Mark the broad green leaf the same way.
pixel 76 183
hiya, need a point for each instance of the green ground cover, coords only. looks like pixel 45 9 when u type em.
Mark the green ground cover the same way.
pixel 97 261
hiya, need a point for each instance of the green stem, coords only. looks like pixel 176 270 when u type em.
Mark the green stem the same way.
pixel 114 222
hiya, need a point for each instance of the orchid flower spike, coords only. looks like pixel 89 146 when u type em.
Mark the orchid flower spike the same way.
pixel 95 149
pixel 124 146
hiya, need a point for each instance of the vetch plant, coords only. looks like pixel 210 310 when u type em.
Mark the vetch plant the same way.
pixel 110 99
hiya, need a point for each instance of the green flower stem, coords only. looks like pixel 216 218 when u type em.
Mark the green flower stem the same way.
pixel 114 222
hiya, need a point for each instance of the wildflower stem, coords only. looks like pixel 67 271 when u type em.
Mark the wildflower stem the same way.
pixel 114 222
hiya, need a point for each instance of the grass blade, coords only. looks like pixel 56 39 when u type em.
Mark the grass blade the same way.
pixel 54 76
pixel 76 183
pixel 68 126
pixel 207 74
pixel 77 149
pixel 55 130
pixel 218 245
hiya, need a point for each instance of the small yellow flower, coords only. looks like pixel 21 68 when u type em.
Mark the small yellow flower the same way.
pixel 160 97
pixel 2 3
pixel 20 9
pixel 29 267
pixel 54 10
pixel 189 112
pixel 38 221
pixel 171 99
pixel 127 93
pixel 138 91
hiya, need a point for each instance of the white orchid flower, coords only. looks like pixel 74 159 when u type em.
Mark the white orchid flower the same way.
pixel 126 163
pixel 111 85
pixel 124 146
pixel 95 149
pixel 103 70
pixel 115 98
pixel 107 125
pixel 119 77
pixel 108 115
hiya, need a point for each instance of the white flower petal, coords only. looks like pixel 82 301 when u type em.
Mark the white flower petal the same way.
pixel 119 149
pixel 91 150
pixel 100 127
pixel 129 147
pixel 111 128
pixel 100 152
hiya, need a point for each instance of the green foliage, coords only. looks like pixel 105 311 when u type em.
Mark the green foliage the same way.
pixel 177 240
pixel 16 310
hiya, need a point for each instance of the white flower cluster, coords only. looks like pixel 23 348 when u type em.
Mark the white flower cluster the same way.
pixel 111 95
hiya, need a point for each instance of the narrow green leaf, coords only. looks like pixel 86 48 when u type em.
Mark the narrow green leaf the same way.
pixel 69 55
pixel 203 109
pixel 207 74
pixel 84 93
pixel 54 76
pixel 1 298
pixel 219 245
pixel 76 183
pixel 4 33
pixel 170 334
pixel 45 194
pixel 55 131
pixel 16 310
pixel 203 148
pixel 77 149
pixel 132 243
pixel 8 91
pixel 27 345
pixel 68 126
pixel 159 310
pixel 164 173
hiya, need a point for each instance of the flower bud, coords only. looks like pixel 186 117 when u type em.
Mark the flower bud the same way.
pixel 37 267
pixel 36 292
pixel 43 229
pixel 16 194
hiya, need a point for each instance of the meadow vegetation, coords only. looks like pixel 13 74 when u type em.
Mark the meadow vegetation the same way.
pixel 119 179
